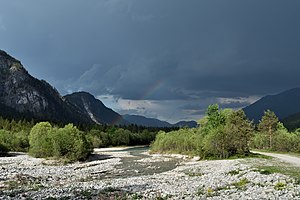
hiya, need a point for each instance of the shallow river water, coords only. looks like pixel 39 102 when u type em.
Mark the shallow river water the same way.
pixel 139 163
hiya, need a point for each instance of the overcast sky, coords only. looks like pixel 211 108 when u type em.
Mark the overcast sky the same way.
pixel 167 59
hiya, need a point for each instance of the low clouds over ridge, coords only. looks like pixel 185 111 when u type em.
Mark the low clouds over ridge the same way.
pixel 165 57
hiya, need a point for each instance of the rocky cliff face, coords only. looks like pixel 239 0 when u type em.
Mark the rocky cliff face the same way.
pixel 29 97
pixel 94 109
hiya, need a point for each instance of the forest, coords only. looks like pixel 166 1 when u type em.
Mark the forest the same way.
pixel 222 133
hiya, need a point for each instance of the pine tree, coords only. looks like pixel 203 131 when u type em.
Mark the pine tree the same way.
pixel 268 125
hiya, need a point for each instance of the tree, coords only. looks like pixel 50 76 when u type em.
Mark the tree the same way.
pixel 240 131
pixel 268 125
pixel 40 140
pixel 214 116
pixel 68 142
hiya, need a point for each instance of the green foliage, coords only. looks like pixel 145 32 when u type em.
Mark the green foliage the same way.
pixel 67 142
pixel 183 141
pixel 259 141
pixel 222 134
pixel 282 140
pixel 114 136
pixel 241 183
pixel 239 131
pixel 14 135
pixel 40 140
pixel 280 186
pixel 268 125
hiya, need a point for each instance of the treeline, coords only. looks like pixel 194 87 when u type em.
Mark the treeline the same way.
pixel 225 133
pixel 272 135
pixel 14 135
pixel 21 136
pixel 221 134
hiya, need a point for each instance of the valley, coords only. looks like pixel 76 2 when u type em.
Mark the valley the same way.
pixel 149 100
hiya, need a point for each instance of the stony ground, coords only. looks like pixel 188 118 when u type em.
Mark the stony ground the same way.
pixel 23 177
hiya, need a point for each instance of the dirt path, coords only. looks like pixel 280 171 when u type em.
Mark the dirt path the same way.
pixel 284 157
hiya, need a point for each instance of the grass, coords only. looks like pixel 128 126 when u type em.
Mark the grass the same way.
pixel 278 152
pixel 241 183
pixel 208 192
pixel 194 174
pixel 271 166
pixel 250 155
pixel 293 172
pixel 280 186
pixel 266 170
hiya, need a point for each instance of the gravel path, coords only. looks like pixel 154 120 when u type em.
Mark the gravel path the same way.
pixel 284 157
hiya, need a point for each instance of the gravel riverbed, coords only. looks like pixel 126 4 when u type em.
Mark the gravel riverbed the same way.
pixel 102 177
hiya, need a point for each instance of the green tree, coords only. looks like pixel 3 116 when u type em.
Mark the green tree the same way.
pixel 214 116
pixel 40 140
pixel 240 131
pixel 67 142
pixel 268 125
pixel 70 143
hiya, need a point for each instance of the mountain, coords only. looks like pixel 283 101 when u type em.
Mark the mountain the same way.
pixel 144 121
pixel 94 109
pixel 190 124
pixel 283 104
pixel 23 96
pixel 152 122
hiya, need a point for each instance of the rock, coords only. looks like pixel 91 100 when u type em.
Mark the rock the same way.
pixel 196 158
pixel 213 182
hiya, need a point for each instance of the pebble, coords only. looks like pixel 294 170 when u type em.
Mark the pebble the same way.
pixel 191 179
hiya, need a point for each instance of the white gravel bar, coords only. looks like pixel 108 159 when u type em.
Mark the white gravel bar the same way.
pixel 24 177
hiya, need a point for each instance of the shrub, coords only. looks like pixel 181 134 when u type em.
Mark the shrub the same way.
pixel 40 140
pixel 67 142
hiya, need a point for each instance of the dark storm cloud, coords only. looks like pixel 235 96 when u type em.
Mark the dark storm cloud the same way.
pixel 190 52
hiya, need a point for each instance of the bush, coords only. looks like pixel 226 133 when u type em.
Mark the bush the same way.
pixel 40 140
pixel 184 141
pixel 67 142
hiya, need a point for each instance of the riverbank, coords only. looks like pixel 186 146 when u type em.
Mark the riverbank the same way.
pixel 131 174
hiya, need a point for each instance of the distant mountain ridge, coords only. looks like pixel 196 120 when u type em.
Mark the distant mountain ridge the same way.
pixel 190 124
pixel 283 104
pixel 152 122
